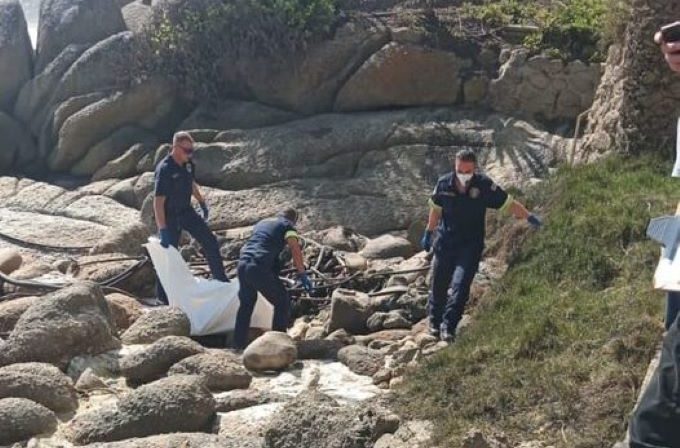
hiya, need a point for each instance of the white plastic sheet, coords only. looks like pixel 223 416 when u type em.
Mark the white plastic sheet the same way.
pixel 211 305
pixel 667 275
pixel 676 167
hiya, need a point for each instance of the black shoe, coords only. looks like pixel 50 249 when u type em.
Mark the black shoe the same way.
pixel 447 336
pixel 434 331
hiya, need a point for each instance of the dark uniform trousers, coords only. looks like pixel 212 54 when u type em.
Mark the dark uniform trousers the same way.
pixel 453 270
pixel 255 278
pixel 196 227
pixel 655 423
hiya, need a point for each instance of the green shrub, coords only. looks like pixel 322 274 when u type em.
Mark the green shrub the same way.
pixel 192 40
pixel 571 29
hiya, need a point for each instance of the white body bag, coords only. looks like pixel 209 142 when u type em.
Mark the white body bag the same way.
pixel 211 305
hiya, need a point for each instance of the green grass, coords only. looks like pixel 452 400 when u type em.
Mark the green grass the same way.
pixel 571 29
pixel 559 348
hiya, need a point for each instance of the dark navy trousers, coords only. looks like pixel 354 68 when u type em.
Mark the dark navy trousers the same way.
pixel 191 222
pixel 254 278
pixel 453 270
pixel 672 308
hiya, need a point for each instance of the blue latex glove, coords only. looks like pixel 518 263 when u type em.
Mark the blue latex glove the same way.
pixel 426 242
pixel 165 238
pixel 305 282
pixel 534 221
pixel 205 210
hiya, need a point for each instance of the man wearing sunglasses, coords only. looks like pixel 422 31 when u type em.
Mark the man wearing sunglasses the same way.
pixel 175 185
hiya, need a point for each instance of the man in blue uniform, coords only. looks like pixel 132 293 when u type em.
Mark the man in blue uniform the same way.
pixel 175 185
pixel 258 271
pixel 458 211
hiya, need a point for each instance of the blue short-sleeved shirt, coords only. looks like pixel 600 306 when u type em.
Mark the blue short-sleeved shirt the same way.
pixel 464 214
pixel 268 241
pixel 176 183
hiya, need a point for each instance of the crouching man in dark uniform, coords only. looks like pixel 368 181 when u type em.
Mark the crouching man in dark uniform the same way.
pixel 458 211
pixel 175 185
pixel 258 271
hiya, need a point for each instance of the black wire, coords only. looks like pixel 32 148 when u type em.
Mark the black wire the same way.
pixel 44 247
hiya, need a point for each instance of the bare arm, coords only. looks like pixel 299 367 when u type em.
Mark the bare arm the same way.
pixel 159 211
pixel 433 220
pixel 196 191
pixel 296 251
pixel 518 210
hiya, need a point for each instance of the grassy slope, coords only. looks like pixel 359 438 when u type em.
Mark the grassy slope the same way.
pixel 558 350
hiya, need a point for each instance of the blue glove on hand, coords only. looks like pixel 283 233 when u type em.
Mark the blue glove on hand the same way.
pixel 205 210
pixel 165 238
pixel 305 282
pixel 534 221
pixel 426 242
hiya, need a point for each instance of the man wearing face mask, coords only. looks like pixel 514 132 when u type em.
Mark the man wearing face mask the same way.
pixel 458 212
pixel 175 185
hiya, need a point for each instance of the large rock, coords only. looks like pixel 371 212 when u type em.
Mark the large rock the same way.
pixel 32 210
pixel 362 360
pixel 382 163
pixel 69 322
pixel 106 66
pixel 540 87
pixel 124 166
pixel 154 362
pixel 16 53
pixel 12 310
pixel 112 147
pixel 21 419
pixel 271 351
pixel 145 105
pixel 403 75
pixel 343 238
pixel 315 420
pixel 231 114
pixel 238 399
pixel 42 383
pixel 220 370
pixel 32 103
pixel 156 324
pixel 189 440
pixel 349 311
pixel 176 404
pixel 387 321
pixel 124 309
pixel 64 22
pixel 309 82
pixel 387 246
pixel 137 14
pixel 18 147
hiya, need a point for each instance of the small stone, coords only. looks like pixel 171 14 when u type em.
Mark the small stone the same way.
pixel 89 381
pixel 382 376
pixel 10 261
pixel 271 351
pixel 342 336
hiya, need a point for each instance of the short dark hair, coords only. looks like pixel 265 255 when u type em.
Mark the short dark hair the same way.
pixel 290 214
pixel 466 155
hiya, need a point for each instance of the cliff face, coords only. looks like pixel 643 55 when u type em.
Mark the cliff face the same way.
pixel 638 101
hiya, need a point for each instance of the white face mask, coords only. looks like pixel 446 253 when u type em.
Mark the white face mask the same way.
pixel 464 178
